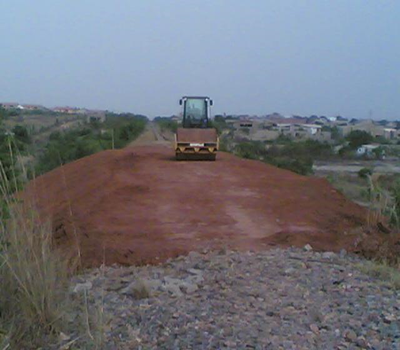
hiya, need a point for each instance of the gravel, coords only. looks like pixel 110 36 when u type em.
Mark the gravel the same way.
pixel 288 299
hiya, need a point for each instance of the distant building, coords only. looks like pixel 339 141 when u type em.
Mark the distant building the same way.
pixel 367 149
pixel 176 118
pixel 245 124
pixel 391 134
pixel 33 107
pixel 369 126
pixel 11 105
pixel 68 110
pixel 312 129
pixel 95 116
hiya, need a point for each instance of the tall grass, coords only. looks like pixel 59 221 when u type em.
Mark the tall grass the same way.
pixel 395 211
pixel 380 201
pixel 33 275
pixel 384 204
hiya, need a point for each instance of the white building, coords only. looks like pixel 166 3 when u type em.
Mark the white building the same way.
pixel 366 149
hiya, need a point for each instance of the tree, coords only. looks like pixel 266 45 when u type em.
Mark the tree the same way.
pixel 3 113
pixel 358 138
pixel 21 133
pixel 335 133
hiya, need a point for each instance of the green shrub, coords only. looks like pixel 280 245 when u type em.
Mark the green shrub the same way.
pixel 220 124
pixel 250 150
pixel 299 166
pixel 166 123
pixel 364 173
pixel 283 140
pixel 65 147
pixel 357 138
pixel 21 134
pixel 295 156
pixel 395 212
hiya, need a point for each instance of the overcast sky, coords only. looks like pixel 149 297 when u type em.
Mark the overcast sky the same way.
pixel 294 57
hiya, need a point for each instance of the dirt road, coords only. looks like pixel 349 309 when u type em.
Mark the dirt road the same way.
pixel 139 205
pixel 151 136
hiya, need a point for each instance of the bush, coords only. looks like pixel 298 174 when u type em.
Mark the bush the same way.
pixel 295 156
pixel 395 212
pixel 21 134
pixel 358 138
pixel 299 166
pixel 165 123
pixel 364 173
pixel 68 146
pixel 283 140
pixel 250 149
pixel 220 124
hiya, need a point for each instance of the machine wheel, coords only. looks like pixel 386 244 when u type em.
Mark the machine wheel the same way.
pixel 190 156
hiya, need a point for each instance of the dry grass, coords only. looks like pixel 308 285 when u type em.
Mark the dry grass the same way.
pixel 351 186
pixel 380 201
pixel 382 271
pixel 34 278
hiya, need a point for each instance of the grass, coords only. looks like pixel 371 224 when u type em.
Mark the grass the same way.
pixel 35 302
pixel 350 185
pixel 33 273
pixel 33 296
pixel 383 271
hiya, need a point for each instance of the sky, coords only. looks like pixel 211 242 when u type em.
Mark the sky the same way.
pixel 338 57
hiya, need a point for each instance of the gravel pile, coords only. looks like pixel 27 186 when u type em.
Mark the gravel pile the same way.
pixel 288 299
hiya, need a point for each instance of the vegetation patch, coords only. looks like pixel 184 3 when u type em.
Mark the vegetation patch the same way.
pixel 382 271
pixel 286 154
pixel 65 147
pixel 166 123
pixel 33 275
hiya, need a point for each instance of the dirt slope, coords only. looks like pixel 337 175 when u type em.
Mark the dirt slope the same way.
pixel 138 205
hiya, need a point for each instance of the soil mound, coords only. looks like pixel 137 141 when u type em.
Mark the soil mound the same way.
pixel 138 205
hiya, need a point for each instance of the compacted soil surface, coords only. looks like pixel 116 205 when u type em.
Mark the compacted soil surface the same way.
pixel 274 299
pixel 138 205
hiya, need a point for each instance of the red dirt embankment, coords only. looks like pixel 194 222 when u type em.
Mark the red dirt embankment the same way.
pixel 139 205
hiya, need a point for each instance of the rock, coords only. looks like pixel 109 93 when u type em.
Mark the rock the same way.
pixel 115 285
pixel 80 287
pixel 350 335
pixel 361 342
pixel 189 288
pixel 154 284
pixel 171 280
pixel 63 337
pixel 138 289
pixel 260 300
pixel 195 279
pixel 307 248
pixel 195 271
pixel 314 328
pixel 328 255
pixel 343 253
pixel 174 289
pixel 194 255
pixel 290 271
